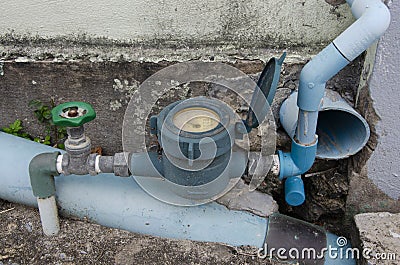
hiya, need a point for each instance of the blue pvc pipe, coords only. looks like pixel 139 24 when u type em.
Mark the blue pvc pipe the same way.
pixel 120 203
pixel 294 191
pixel 305 131
pixel 315 74
pixel 341 130
pixel 313 78
pixel 298 161
pixel 373 18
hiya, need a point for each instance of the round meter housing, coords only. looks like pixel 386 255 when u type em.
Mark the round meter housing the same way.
pixel 196 136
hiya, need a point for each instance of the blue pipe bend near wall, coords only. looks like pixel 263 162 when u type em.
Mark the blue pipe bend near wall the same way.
pixel 120 203
pixel 373 18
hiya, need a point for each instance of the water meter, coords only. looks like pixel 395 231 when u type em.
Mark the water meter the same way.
pixel 197 136
pixel 198 156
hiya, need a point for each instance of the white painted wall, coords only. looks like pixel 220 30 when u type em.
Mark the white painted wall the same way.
pixel 255 22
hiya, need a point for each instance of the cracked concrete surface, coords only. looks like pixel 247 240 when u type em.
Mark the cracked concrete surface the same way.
pixel 379 237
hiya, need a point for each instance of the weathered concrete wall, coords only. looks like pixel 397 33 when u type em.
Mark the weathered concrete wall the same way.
pixel 181 23
pixel 76 50
pixel 374 185
pixel 384 166
pixel 378 238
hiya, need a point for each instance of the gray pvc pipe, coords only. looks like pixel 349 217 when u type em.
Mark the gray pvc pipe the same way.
pixel 120 203
pixel 373 18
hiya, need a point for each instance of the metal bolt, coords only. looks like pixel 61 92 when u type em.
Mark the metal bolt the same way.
pixel 73 113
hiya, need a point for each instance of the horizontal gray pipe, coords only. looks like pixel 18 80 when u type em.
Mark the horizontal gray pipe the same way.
pixel 120 203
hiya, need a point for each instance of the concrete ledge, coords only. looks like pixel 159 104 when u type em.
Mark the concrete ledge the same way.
pixel 379 235
pixel 242 23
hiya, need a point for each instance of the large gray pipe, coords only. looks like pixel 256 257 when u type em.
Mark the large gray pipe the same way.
pixel 120 203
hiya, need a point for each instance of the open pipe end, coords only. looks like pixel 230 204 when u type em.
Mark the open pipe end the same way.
pixel 49 215
pixel 341 134
pixel 342 131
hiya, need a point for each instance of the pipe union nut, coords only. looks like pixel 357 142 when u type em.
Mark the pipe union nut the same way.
pixel 121 165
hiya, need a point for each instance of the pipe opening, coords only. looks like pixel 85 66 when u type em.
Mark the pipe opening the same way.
pixel 341 133
pixel 341 130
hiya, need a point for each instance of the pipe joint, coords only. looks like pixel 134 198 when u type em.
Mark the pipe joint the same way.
pixel 104 164
pixel 314 76
pixel 42 170
pixel 373 18
pixel 361 7
pixel 298 161
pixel 120 165
pixel 76 164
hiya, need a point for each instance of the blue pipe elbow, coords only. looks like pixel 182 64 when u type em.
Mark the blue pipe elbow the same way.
pixel 373 19
pixel 315 74
pixel 298 161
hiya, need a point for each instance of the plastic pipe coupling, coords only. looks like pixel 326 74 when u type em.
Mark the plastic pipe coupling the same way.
pixel 292 165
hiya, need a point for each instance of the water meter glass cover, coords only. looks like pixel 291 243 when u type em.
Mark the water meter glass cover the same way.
pixel 196 120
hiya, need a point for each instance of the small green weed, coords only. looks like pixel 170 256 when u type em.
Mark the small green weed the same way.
pixel 16 129
pixel 54 135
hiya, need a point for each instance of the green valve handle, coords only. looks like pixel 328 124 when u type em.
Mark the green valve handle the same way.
pixel 72 114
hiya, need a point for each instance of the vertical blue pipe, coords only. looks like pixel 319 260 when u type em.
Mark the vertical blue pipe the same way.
pixel 306 130
pixel 313 79
pixel 312 84
pixel 314 76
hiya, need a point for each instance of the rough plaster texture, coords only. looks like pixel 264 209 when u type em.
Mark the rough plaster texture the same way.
pixel 247 23
pixel 384 166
